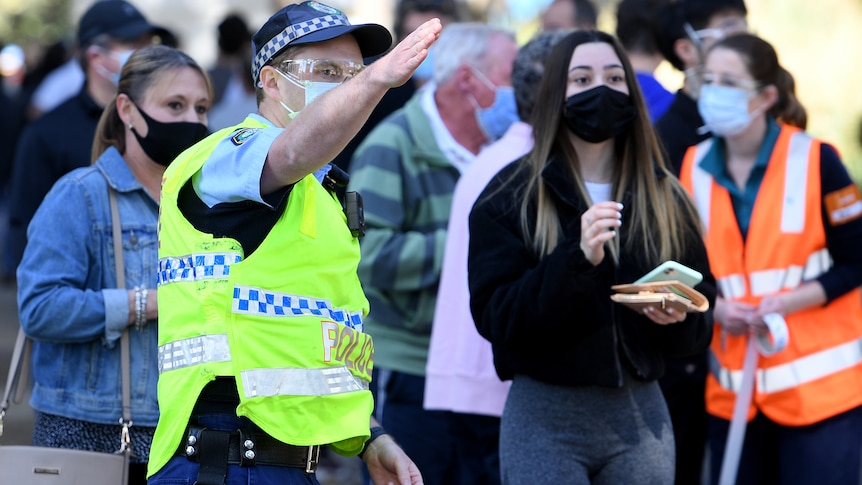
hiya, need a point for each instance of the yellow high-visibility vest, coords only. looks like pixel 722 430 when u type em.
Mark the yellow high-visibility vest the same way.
pixel 285 321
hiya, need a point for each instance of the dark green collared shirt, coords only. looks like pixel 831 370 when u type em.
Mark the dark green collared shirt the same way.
pixel 715 162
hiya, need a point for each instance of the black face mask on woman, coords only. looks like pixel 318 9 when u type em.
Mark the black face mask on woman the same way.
pixel 599 113
pixel 164 141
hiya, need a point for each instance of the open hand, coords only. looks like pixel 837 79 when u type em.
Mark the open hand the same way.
pixel 389 465
pixel 396 67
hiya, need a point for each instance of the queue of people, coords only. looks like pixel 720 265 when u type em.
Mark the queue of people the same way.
pixel 442 308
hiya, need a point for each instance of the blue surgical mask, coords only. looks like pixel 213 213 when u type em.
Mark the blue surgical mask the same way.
pixel 497 118
pixel 724 109
pixel 313 89
pixel 122 58
pixel 425 71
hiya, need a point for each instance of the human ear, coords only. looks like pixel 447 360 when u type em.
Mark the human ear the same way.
pixel 769 95
pixel 124 108
pixel 687 52
pixel 462 76
pixel 269 82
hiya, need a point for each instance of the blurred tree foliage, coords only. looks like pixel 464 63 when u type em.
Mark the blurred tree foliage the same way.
pixel 26 22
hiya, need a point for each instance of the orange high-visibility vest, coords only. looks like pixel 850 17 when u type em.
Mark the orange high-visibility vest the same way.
pixel 819 374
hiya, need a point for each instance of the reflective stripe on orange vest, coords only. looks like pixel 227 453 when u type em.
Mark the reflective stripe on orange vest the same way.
pixel 792 374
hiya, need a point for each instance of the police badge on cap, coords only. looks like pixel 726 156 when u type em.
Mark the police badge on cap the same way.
pixel 310 22
pixel 324 8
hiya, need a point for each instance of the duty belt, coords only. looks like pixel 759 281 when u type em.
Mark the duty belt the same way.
pixel 214 450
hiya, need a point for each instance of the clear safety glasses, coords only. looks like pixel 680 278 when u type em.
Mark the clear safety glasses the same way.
pixel 728 81
pixel 320 70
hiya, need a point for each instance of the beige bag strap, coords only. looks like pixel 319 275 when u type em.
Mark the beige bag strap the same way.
pixel 20 364
pixel 119 267
pixel 17 368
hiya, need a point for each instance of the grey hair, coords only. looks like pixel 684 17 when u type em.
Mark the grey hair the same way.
pixel 528 69
pixel 463 43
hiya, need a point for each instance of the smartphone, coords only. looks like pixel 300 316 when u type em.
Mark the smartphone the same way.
pixel 671 270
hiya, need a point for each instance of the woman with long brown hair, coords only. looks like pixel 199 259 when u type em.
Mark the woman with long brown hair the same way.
pixel 591 206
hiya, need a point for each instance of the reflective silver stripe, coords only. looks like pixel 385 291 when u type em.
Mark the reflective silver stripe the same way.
pixel 196 267
pixel 770 281
pixel 810 368
pixel 728 379
pixel 257 301
pixel 732 286
pixel 702 182
pixel 793 374
pixel 818 263
pixel 795 184
pixel 193 351
pixel 300 382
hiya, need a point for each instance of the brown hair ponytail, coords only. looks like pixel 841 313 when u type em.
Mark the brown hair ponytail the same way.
pixel 788 109
pixel 762 63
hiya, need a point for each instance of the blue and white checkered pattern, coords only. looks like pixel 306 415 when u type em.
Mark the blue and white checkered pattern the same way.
pixel 291 33
pixel 257 301
pixel 196 267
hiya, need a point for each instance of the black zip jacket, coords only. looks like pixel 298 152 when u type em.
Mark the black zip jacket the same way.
pixel 552 318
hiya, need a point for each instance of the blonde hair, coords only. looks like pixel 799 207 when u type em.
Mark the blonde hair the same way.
pixel 140 72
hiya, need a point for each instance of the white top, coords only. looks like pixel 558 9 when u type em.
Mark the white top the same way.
pixel 599 192
pixel 459 156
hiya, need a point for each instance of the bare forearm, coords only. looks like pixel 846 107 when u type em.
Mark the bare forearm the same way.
pixel 321 131
pixel 324 127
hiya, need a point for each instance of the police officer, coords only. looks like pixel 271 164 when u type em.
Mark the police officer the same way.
pixel 262 355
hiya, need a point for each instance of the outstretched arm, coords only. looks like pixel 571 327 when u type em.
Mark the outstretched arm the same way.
pixel 325 127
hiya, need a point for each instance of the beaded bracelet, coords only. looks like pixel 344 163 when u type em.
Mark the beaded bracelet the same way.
pixel 140 306
pixel 142 316
pixel 137 305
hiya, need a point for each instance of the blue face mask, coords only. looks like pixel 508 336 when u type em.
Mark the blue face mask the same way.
pixel 122 58
pixel 425 71
pixel 313 89
pixel 497 118
pixel 724 109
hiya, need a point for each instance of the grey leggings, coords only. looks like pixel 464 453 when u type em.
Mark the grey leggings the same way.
pixel 586 435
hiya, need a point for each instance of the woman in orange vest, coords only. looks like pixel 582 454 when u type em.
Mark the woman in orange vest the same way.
pixel 783 225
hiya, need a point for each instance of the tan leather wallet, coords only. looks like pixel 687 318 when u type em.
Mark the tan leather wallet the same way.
pixel 660 294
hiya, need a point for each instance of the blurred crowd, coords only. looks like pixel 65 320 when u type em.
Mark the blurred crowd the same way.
pixel 505 190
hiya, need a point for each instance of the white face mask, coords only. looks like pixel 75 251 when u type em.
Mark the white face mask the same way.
pixel 724 109
pixel 313 89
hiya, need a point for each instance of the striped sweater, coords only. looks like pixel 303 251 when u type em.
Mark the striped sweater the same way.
pixel 406 184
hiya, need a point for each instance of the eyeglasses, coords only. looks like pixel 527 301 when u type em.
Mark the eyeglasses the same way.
pixel 731 82
pixel 727 27
pixel 321 70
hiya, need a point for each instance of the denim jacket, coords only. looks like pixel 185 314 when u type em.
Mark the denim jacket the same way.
pixel 69 303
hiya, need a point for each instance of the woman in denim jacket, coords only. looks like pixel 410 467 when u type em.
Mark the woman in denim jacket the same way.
pixel 68 299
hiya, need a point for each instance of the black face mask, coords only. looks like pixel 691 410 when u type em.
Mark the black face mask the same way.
pixel 164 141
pixel 598 114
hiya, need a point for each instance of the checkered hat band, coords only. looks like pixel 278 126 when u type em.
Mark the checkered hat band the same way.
pixel 291 33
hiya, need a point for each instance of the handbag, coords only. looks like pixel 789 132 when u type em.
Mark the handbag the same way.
pixel 38 465
pixel 662 294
